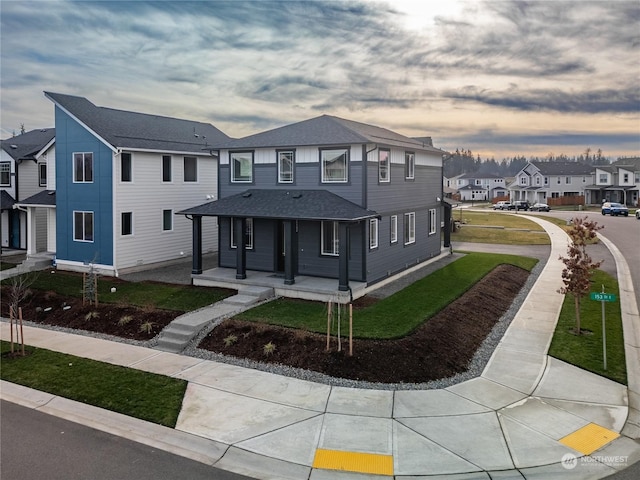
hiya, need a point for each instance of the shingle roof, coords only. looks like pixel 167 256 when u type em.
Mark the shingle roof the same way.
pixel 25 146
pixel 6 200
pixel 632 164
pixel 124 129
pixel 284 204
pixel 563 168
pixel 45 197
pixel 326 130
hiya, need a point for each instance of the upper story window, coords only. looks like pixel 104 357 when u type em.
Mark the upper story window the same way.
pixel 166 168
pixel 432 221
pixel 559 180
pixel 383 165
pixel 5 174
pixel 546 180
pixel 637 177
pixel 248 234
pixel 625 178
pixel 83 226
pixel 373 233
pixel 567 180
pixel 126 223
pixel 286 161
pixel 394 228
pixel 537 180
pixel 409 165
pixel 241 167
pixel 190 169
pixel 334 164
pixel 409 228
pixel 167 220
pixel 42 174
pixel 478 181
pixel 523 180
pixel 330 239
pixel 83 167
pixel 125 167
pixel 603 178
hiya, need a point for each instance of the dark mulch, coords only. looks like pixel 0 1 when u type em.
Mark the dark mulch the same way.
pixel 107 318
pixel 439 348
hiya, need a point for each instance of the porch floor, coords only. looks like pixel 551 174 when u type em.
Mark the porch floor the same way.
pixel 305 287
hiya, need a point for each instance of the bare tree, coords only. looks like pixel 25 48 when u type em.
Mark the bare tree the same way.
pixel 19 291
pixel 579 266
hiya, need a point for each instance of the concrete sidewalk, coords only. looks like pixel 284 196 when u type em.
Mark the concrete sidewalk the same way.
pixel 526 416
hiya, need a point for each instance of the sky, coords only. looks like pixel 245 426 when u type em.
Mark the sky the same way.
pixel 500 78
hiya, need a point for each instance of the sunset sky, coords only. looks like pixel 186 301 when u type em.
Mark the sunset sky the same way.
pixel 501 78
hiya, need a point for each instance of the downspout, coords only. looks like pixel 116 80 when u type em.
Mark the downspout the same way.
pixel 365 204
pixel 116 154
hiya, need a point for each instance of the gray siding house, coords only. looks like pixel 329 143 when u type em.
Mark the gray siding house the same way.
pixel 325 197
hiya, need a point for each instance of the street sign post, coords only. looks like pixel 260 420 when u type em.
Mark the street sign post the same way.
pixel 603 298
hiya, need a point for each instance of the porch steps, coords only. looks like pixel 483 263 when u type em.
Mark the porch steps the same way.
pixel 176 336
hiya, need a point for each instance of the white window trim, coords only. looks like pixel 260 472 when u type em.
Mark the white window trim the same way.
pixel 410 219
pixel 373 233
pixel 433 217
pixel 130 166
pixel 122 224
pixel 335 246
pixel 233 170
pixel 387 178
pixel 8 171
pixel 93 226
pixel 170 169
pixel 293 160
pixel 162 220
pixel 394 229
pixel 40 166
pixel 248 227
pixel 410 165
pixel 346 170
pixel 184 170
pixel 73 166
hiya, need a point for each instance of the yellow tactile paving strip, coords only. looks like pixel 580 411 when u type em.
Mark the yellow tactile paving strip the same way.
pixel 589 438
pixel 354 462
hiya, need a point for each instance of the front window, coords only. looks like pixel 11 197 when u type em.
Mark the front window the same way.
pixel 42 174
pixel 335 165
pixel 383 165
pixel 126 224
pixel 241 167
pixel 409 165
pixel 83 167
pixel 546 180
pixel 166 168
pixel 432 221
pixel 625 178
pixel 83 226
pixel 5 174
pixel 603 178
pixel 567 180
pixel 537 180
pixel 523 180
pixel 125 167
pixel 285 167
pixel 373 233
pixel 190 169
pixel 409 228
pixel 330 239
pixel 394 228
pixel 248 234
pixel 167 220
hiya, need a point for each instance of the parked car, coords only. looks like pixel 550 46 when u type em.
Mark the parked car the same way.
pixel 519 205
pixel 540 207
pixel 502 205
pixel 638 213
pixel 613 208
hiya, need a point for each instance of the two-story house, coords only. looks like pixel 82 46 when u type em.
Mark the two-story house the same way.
pixel 618 182
pixel 326 197
pixel 120 176
pixel 479 186
pixel 26 163
pixel 541 181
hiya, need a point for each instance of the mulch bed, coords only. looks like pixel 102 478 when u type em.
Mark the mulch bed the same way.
pixel 439 348
pixel 106 319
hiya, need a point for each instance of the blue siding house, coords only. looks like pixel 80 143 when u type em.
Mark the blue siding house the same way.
pixel 120 177
pixel 325 197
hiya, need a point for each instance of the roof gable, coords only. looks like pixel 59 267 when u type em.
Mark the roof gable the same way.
pixel 124 129
pixel 29 144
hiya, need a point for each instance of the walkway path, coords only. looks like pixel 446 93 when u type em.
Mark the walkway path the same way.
pixel 526 416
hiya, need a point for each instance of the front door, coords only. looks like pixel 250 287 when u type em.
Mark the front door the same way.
pixel 14 229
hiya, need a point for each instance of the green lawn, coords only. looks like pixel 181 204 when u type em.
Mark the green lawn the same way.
pixel 497 227
pixel 397 315
pixel 135 393
pixel 161 295
pixel 586 351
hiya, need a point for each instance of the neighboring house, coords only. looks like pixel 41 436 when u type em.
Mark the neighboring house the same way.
pixel 26 165
pixel 618 182
pixel 541 181
pixel 479 187
pixel 326 197
pixel 120 177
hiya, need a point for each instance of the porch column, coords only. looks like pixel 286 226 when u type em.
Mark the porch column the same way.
pixel 239 229
pixel 288 253
pixel 447 225
pixel 343 258
pixel 31 231
pixel 196 227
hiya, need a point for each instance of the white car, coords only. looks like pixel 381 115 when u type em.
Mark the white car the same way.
pixel 502 205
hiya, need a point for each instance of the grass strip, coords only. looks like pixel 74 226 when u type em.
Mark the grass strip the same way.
pixel 147 396
pixel 585 351
pixel 397 315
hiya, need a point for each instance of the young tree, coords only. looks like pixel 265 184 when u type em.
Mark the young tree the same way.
pixel 579 266
pixel 19 291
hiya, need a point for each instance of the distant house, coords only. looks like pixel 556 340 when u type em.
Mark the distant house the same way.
pixel 618 182
pixel 479 187
pixel 540 181
pixel 120 176
pixel 26 168
pixel 326 197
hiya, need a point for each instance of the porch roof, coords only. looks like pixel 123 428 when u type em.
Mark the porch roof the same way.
pixel 6 200
pixel 45 198
pixel 284 204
